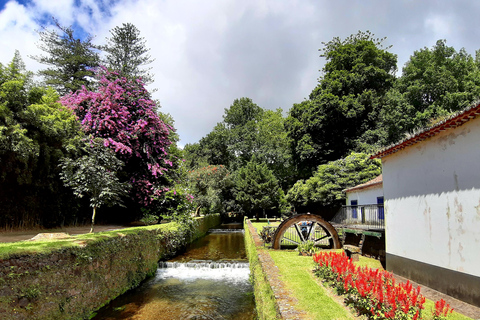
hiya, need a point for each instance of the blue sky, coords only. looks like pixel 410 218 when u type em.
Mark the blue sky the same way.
pixel 208 53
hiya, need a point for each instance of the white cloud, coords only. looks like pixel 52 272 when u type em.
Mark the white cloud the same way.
pixel 209 53
pixel 440 26
pixel 17 32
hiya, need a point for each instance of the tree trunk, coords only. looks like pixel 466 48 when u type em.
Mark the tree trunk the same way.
pixel 93 218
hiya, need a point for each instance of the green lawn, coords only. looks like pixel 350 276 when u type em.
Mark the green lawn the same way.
pixel 45 246
pixel 312 297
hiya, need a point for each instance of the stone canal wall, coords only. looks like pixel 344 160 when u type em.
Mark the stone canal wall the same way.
pixel 74 281
pixel 272 299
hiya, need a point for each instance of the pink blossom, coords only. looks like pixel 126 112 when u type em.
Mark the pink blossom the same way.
pixel 122 113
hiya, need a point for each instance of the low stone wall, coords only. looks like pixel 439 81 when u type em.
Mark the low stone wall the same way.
pixel 72 282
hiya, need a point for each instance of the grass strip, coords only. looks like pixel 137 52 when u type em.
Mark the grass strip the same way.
pixel 312 298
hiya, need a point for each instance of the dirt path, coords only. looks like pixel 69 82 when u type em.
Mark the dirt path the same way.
pixel 12 236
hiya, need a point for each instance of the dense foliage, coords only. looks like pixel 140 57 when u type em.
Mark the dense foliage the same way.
pixel 342 112
pixel 257 189
pixel 326 185
pixel 122 113
pixel 435 82
pixel 35 133
pixel 247 131
pixel 212 186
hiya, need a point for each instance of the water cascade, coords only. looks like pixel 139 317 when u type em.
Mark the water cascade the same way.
pixel 208 281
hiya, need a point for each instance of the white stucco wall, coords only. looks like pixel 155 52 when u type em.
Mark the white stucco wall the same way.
pixel 365 196
pixel 432 200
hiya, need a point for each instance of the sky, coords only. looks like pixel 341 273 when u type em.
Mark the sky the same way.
pixel 209 53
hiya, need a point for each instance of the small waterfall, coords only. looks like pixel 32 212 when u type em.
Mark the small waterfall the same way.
pixel 226 231
pixel 197 264
pixel 233 272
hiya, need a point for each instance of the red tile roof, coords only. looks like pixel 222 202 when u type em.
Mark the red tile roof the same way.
pixel 374 182
pixel 454 121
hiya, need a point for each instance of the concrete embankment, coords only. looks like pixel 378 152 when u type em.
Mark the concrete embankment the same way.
pixel 74 280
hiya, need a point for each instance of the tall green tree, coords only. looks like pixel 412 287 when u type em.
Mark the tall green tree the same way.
pixel 342 112
pixel 71 60
pixel 35 132
pixel 435 82
pixel 257 189
pixel 242 119
pixel 126 52
pixel 209 186
pixel 272 147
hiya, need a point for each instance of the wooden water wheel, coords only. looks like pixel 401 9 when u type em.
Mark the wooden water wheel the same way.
pixel 303 227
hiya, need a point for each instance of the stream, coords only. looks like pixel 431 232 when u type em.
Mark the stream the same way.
pixel 209 281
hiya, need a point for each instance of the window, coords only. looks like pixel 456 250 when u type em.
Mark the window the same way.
pixel 354 204
pixel 381 210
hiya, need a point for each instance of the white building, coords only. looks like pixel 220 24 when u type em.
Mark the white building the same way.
pixel 365 202
pixel 431 185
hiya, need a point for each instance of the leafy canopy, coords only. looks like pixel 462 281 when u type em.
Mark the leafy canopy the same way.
pixel 341 112
pixel 326 185
pixel 246 131
pixel 209 185
pixel 35 133
pixel 435 82
pixel 256 188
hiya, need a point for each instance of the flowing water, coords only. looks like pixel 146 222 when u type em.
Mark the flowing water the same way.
pixel 208 281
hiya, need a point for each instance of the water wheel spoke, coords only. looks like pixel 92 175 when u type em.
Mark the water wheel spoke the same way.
pixel 312 227
pixel 299 233
pixel 290 240
pixel 327 236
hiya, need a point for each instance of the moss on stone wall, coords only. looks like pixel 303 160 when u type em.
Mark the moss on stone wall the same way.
pixel 73 281
pixel 265 303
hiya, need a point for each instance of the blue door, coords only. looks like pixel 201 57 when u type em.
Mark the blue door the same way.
pixel 354 204
pixel 381 212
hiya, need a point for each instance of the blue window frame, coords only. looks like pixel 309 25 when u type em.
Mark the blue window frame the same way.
pixel 381 210
pixel 354 204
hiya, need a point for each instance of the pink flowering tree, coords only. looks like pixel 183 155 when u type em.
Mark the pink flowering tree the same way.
pixel 122 113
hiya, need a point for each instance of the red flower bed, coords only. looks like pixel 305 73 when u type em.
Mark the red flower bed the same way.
pixel 374 292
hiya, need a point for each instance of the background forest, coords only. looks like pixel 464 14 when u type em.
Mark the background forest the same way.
pixel 84 135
